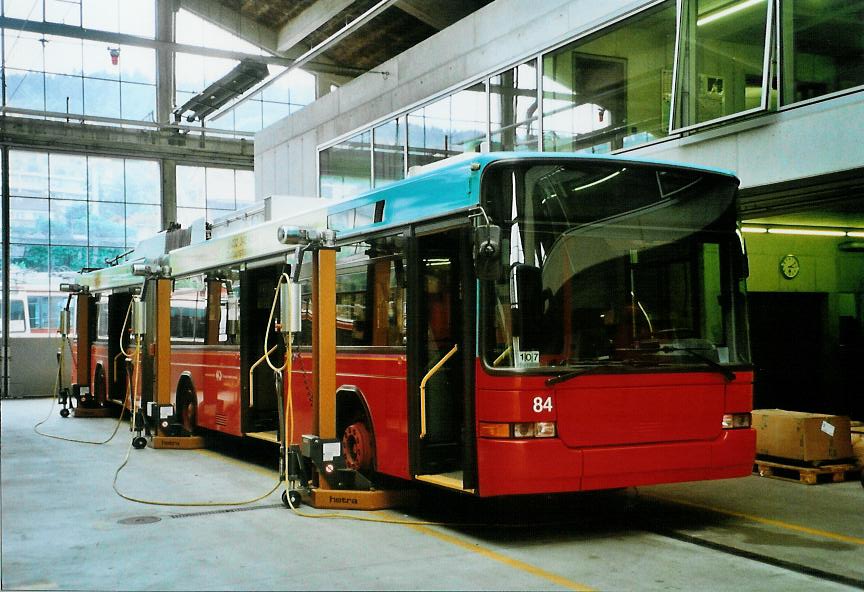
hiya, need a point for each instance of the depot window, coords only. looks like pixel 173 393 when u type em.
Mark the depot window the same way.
pixel 723 59
pixel 822 48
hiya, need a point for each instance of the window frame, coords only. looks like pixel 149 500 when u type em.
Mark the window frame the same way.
pixel 677 84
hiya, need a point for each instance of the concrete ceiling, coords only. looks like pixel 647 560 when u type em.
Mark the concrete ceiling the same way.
pixel 298 25
pixel 832 200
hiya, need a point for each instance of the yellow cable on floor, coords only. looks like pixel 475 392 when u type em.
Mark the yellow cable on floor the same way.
pixel 177 503
pixel 54 403
pixel 168 503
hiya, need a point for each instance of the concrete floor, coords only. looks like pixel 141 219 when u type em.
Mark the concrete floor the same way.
pixel 63 527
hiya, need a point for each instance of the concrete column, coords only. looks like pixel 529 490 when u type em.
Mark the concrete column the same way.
pixel 169 191
pixel 165 10
pixel 4 295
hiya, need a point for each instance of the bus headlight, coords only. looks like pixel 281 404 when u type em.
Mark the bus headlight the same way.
pixel 734 421
pixel 523 430
pixel 545 429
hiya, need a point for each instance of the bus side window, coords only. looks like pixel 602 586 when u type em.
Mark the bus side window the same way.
pixel 352 326
pixel 102 319
pixel 229 318
pixel 388 295
pixel 188 314
pixel 396 321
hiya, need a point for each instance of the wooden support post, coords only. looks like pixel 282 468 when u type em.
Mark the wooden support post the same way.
pixel 84 340
pixel 162 341
pixel 324 342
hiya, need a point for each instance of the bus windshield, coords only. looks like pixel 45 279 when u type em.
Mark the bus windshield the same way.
pixel 611 264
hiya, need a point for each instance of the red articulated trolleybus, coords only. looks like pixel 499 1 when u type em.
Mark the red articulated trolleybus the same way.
pixel 506 323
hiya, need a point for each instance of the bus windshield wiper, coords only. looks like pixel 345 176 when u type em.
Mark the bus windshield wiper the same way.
pixel 726 372
pixel 565 376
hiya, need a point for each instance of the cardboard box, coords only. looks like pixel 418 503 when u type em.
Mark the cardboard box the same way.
pixel 858 448
pixel 802 436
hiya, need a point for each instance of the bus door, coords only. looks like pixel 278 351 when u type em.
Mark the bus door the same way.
pixel 441 351
pixel 260 413
pixel 118 370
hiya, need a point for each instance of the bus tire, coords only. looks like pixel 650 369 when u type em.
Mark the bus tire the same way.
pixel 139 442
pixel 64 413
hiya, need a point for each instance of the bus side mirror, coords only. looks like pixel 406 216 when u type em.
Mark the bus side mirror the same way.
pixel 487 252
pixel 526 300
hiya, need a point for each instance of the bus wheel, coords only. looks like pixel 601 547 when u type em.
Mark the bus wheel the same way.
pixel 64 413
pixel 357 447
pixel 187 408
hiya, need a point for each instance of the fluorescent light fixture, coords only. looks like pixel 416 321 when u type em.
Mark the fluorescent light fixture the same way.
pixel 801 231
pixel 732 9
pixel 806 232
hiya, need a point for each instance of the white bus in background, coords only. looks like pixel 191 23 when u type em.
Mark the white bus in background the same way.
pixel 33 307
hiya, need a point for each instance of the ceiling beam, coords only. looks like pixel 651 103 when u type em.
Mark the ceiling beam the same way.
pixel 308 21
pixel 438 14
pixel 20 132
pixel 233 21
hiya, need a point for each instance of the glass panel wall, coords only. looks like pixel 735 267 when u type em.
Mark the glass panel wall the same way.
pixel 345 169
pixel 69 211
pixel 116 16
pixel 210 192
pixel 611 90
pixel 64 75
pixel 389 153
pixel 449 126
pixel 823 47
pixel 722 59
pixel 513 109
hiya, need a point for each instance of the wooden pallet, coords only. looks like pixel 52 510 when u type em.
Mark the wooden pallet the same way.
pixel 808 475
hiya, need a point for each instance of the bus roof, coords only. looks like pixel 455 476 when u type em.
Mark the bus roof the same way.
pixel 437 190
pixel 455 183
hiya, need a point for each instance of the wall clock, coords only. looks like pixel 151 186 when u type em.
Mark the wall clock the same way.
pixel 789 266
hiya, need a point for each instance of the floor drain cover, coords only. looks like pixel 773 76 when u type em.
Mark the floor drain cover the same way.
pixel 139 520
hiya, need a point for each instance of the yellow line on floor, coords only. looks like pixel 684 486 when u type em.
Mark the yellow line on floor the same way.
pixel 234 461
pixel 514 563
pixel 769 521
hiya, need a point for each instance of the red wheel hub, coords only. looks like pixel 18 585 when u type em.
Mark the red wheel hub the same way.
pixel 187 417
pixel 357 447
